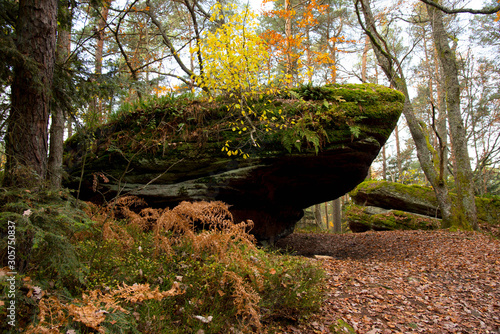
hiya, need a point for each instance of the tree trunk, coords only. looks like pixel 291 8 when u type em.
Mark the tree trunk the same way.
pixel 101 25
pixel 288 36
pixel 309 63
pixel 317 215
pixel 100 36
pixel 439 124
pixel 384 164
pixel 337 216
pixel 63 50
pixel 326 217
pixel 26 137
pixel 466 214
pixel 69 125
pixel 442 124
pixel 427 156
pixel 364 59
pixel 398 155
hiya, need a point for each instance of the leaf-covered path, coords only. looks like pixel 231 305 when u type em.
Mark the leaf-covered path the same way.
pixel 404 282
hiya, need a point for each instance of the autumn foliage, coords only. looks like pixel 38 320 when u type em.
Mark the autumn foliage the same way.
pixel 183 269
pixel 293 47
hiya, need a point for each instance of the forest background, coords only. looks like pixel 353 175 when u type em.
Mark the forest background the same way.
pixel 67 66
pixel 100 57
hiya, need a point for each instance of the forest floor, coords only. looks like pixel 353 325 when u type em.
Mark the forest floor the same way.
pixel 403 282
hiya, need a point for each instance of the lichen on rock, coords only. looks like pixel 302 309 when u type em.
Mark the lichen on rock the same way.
pixel 362 219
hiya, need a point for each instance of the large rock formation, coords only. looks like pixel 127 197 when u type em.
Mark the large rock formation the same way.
pixel 391 195
pixel 388 206
pixel 171 150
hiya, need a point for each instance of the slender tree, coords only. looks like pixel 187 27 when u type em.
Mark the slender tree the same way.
pixel 337 216
pixel 100 35
pixel 392 67
pixel 467 216
pixel 317 215
pixel 63 50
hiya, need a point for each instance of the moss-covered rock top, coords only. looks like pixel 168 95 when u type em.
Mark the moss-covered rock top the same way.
pixel 302 119
pixel 259 155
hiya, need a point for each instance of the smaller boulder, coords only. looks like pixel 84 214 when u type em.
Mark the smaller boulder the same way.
pixel 362 219
pixel 390 195
pixel 421 200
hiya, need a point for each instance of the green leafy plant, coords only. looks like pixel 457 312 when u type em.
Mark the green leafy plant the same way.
pixel 342 327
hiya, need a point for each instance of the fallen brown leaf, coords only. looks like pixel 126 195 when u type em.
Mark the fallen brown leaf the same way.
pixel 405 281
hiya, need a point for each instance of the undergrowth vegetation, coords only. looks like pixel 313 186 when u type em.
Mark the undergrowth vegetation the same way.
pixel 122 269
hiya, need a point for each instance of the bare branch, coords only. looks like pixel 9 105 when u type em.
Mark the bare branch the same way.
pixel 483 11
pixel 167 41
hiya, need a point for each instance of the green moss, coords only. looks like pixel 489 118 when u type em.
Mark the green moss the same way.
pixel 488 208
pixel 414 191
pixel 169 129
pixel 389 221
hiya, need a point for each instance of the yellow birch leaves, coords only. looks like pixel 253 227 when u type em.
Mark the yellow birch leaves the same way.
pixel 234 61
pixel 233 54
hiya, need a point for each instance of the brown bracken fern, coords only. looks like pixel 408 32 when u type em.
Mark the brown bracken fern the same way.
pixel 203 228
pixel 92 309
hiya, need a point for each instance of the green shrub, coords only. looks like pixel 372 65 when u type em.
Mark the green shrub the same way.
pixel 227 281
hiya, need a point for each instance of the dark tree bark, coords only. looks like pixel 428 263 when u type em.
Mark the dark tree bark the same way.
pixel 26 137
pixel 484 11
pixel 63 50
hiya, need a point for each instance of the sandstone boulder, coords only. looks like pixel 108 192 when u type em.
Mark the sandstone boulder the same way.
pixel 362 219
pixel 390 195
pixel 171 151
pixel 412 199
